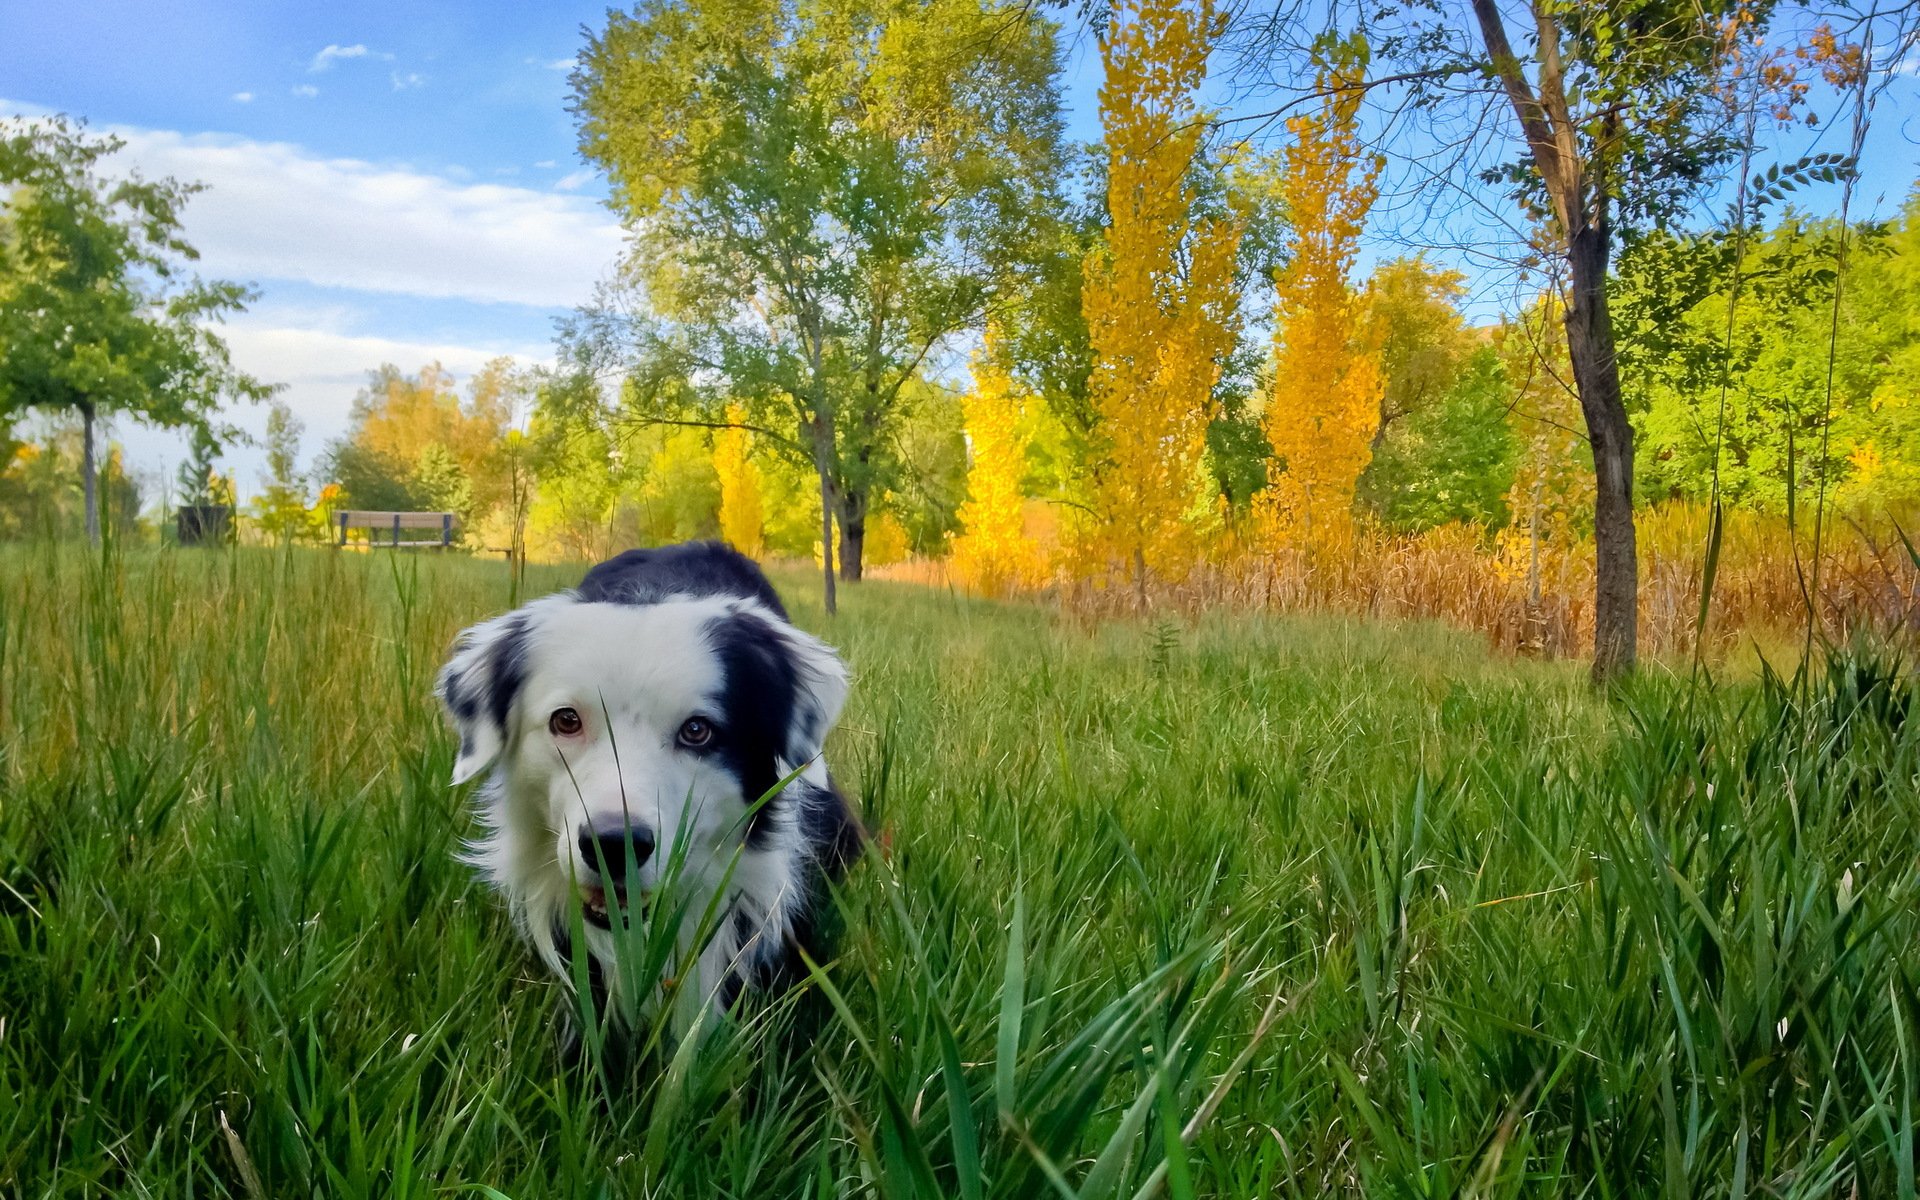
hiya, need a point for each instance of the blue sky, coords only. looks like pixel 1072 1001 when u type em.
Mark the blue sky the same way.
pixel 399 180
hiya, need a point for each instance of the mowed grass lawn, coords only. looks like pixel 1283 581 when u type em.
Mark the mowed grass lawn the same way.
pixel 1241 907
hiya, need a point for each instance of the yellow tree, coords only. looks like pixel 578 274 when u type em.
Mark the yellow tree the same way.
pixel 400 416
pixel 994 553
pixel 742 515
pixel 1159 295
pixel 1324 405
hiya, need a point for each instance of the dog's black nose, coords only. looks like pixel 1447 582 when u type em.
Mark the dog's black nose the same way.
pixel 614 848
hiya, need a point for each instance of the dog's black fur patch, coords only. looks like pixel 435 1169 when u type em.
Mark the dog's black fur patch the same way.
pixel 756 708
pixel 506 670
pixel 691 569
pixel 489 686
pixel 762 692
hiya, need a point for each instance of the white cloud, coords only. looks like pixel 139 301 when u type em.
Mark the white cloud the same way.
pixel 558 64
pixel 332 54
pixel 411 79
pixel 306 90
pixel 322 370
pixel 573 181
pixel 277 211
pixel 243 97
pixel 545 164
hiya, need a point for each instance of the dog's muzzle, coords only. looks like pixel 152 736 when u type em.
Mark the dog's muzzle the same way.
pixel 610 856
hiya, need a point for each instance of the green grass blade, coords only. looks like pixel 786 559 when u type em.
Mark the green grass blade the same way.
pixel 1013 989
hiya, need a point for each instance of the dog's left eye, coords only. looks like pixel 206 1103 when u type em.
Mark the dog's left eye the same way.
pixel 564 722
pixel 696 732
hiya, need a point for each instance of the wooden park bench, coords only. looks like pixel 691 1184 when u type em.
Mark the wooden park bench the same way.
pixel 373 521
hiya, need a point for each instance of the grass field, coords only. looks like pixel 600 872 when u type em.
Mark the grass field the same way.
pixel 1240 907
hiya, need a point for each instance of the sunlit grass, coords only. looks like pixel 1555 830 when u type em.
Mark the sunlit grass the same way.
pixel 1232 907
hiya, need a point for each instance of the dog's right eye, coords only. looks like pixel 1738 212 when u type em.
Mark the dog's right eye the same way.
pixel 564 722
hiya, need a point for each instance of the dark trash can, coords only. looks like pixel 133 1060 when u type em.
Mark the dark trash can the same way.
pixel 204 524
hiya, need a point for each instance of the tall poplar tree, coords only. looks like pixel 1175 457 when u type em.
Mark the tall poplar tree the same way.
pixel 1159 294
pixel 994 553
pixel 742 517
pixel 1323 408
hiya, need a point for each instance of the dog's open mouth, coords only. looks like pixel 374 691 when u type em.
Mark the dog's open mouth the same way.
pixel 596 901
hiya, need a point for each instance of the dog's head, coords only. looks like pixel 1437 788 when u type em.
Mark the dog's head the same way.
pixel 617 730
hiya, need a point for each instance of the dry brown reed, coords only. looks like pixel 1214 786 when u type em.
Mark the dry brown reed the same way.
pixel 1762 595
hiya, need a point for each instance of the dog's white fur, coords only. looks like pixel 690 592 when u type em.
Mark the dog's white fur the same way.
pixel 634 674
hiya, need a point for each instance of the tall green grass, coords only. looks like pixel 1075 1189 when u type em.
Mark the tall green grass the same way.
pixel 1240 907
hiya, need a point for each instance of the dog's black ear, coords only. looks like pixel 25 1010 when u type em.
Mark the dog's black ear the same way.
pixel 784 689
pixel 479 685
pixel 819 692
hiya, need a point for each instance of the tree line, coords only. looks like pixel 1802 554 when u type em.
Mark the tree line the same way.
pixel 875 304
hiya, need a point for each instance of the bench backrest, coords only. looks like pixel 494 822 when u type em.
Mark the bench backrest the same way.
pixel 373 519
pixel 358 518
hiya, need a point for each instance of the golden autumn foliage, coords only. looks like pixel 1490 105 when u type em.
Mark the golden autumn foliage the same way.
pixel 994 554
pixel 1324 405
pixel 400 416
pixel 742 515
pixel 1159 295
pixel 1552 494
pixel 888 542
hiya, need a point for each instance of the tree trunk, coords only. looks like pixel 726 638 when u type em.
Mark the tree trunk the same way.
pixel 1596 373
pixel 823 466
pixel 1552 135
pixel 1536 622
pixel 89 475
pixel 853 535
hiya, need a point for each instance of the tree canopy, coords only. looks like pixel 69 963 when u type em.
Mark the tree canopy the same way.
pixel 98 314
pixel 823 196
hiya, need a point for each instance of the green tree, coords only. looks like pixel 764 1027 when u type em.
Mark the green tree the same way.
pixel 282 506
pixel 1618 108
pixel 931 484
pixel 369 478
pixel 580 465
pixel 679 496
pixel 97 314
pixel 822 196
pixel 1449 458
pixel 442 484
pixel 1413 308
pixel 196 475
pixel 1879 363
pixel 1729 390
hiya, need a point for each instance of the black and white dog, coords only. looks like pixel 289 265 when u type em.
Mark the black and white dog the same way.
pixel 636 722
